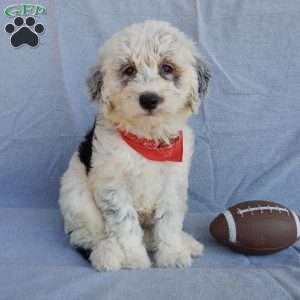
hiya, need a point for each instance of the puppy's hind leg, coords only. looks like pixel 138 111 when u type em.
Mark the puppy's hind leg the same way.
pixel 194 246
pixel 82 219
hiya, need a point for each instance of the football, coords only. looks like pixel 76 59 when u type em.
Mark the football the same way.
pixel 256 227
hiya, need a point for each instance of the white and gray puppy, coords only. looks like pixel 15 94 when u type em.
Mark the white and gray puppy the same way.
pixel 115 202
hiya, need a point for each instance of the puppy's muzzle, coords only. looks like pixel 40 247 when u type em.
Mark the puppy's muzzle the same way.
pixel 149 101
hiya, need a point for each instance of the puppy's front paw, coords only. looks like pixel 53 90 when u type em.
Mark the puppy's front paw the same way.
pixel 138 262
pixel 137 258
pixel 107 256
pixel 168 256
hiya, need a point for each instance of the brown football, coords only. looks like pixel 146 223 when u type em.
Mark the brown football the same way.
pixel 256 227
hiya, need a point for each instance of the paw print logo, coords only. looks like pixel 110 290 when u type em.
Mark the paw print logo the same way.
pixel 24 33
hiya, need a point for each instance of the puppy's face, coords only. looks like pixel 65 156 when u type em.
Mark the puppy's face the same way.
pixel 149 71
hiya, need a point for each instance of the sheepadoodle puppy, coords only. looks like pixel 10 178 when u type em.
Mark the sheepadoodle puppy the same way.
pixel 125 190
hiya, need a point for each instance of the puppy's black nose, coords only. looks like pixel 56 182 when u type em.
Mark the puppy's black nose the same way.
pixel 149 101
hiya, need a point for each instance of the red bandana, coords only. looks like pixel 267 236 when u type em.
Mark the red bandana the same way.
pixel 152 150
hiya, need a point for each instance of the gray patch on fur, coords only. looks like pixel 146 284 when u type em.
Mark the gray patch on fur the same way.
pixel 112 213
pixel 204 76
pixel 95 82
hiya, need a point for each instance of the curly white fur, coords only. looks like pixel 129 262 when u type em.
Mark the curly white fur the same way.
pixel 128 204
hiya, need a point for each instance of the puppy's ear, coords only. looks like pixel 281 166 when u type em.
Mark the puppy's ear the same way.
pixel 204 76
pixel 200 89
pixel 95 82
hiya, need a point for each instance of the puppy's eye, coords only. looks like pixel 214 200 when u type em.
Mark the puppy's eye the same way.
pixel 129 71
pixel 166 69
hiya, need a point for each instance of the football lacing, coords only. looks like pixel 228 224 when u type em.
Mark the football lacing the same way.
pixel 262 209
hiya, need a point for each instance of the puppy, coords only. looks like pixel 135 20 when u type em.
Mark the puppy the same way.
pixel 125 190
